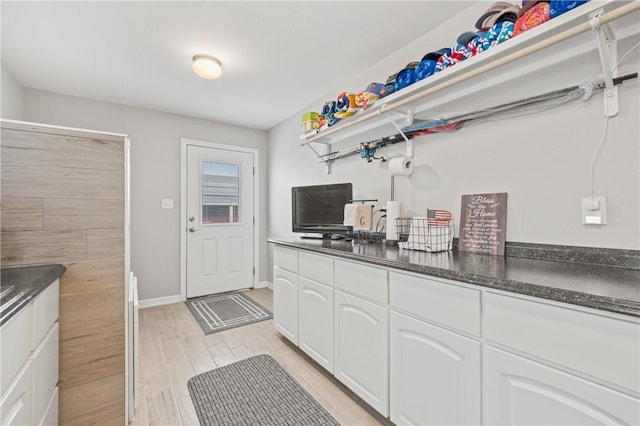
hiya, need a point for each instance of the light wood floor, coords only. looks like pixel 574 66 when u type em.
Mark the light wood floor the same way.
pixel 173 348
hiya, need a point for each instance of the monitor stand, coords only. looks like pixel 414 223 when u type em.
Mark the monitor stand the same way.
pixel 316 237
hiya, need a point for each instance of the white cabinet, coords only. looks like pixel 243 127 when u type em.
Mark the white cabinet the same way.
pixel 361 352
pixel 548 363
pixel 519 391
pixel 16 404
pixel 315 321
pixel 30 362
pixel 425 350
pixel 435 374
pixel 285 292
pixel 45 372
pixel 16 344
pixel 285 303
pixel 603 347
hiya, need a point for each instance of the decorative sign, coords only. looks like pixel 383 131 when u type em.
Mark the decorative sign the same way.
pixel 483 223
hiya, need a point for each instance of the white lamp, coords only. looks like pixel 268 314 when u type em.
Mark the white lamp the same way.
pixel 207 66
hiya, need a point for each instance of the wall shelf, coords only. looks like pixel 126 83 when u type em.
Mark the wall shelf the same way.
pixel 472 75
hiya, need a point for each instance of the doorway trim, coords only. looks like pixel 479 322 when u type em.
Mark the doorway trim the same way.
pixel 184 143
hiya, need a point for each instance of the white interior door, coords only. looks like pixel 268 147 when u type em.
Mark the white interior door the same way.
pixel 220 220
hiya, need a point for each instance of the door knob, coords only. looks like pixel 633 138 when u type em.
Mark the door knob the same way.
pixel 191 219
pixel 192 229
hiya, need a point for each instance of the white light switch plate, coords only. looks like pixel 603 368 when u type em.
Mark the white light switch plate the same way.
pixel 167 203
pixel 594 211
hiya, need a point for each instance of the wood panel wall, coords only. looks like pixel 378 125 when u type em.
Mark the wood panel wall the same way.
pixel 62 201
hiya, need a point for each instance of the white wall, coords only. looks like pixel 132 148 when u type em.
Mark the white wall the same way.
pixel 11 95
pixel 155 174
pixel 542 161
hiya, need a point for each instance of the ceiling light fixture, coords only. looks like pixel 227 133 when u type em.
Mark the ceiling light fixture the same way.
pixel 207 66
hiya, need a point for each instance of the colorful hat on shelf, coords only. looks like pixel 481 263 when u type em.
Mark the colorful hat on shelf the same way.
pixel 558 7
pixel 466 37
pixel 390 86
pixel 497 34
pixel 309 122
pixel 407 75
pixel 328 112
pixel 498 12
pixel 528 4
pixel 427 65
pixel 533 16
pixel 346 105
pixel 369 96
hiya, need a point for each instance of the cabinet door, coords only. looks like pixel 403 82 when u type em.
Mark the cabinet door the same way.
pixel 45 372
pixel 315 321
pixel 16 405
pixel 361 352
pixel 285 303
pixel 435 375
pixel 519 391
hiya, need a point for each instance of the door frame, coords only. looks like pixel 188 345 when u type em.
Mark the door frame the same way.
pixel 184 143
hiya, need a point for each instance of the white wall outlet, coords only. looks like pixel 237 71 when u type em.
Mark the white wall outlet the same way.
pixel 594 211
pixel 167 203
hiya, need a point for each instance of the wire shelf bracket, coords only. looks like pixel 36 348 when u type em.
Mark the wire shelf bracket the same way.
pixel 608 50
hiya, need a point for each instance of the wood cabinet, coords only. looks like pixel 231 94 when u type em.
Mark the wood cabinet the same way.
pixel 30 362
pixel 434 374
pixel 65 200
pixel 361 351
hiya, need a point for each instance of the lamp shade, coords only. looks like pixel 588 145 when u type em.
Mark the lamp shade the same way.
pixel 206 66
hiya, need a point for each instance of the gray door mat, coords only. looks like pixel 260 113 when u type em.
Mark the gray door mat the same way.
pixel 254 391
pixel 224 311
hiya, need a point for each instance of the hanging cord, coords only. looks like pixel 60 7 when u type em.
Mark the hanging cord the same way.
pixel 595 155
pixel 383 215
pixel 603 138
pixel 625 55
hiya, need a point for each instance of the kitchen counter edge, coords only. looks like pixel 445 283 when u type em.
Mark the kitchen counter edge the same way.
pixel 574 297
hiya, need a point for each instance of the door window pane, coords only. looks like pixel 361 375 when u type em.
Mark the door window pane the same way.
pixel 220 192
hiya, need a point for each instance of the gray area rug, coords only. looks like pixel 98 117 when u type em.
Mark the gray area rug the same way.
pixel 254 391
pixel 224 311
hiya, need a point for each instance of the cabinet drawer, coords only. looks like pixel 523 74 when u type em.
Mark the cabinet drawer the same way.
pixel 15 408
pixel 600 346
pixel 363 280
pixel 46 311
pixel 285 258
pixel 45 372
pixel 446 304
pixel 17 340
pixel 316 267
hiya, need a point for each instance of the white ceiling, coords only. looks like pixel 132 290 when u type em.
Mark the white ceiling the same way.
pixel 277 56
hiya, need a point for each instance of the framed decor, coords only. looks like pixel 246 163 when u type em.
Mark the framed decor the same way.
pixel 483 223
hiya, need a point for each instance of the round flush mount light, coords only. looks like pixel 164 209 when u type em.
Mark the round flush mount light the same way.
pixel 207 66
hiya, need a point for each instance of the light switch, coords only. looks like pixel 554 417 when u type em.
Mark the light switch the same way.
pixel 167 203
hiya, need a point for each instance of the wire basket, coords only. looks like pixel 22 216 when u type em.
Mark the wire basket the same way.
pixel 421 233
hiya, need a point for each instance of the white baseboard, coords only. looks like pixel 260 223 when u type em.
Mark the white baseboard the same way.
pixel 269 285
pixel 159 301
pixel 263 284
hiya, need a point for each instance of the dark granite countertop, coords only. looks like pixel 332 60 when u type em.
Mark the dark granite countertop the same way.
pixel 18 286
pixel 609 288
